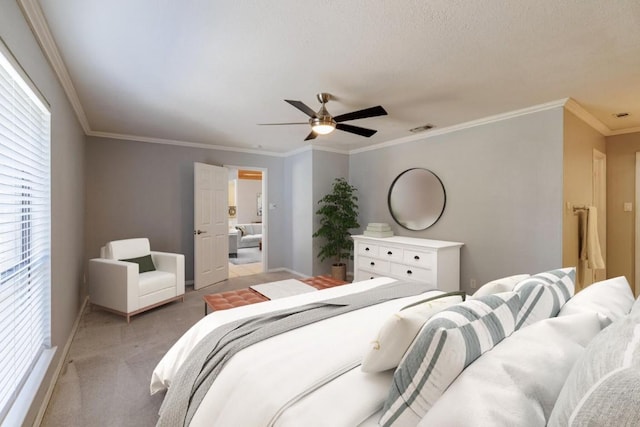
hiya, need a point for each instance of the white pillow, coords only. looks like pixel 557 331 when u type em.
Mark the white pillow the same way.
pixel 612 298
pixel 518 381
pixel 506 284
pixel 448 342
pixel 397 333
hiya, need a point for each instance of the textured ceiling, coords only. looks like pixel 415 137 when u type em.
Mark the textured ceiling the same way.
pixel 209 71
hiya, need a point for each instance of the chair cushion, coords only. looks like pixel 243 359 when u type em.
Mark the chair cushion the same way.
pixel 128 248
pixel 145 263
pixel 153 281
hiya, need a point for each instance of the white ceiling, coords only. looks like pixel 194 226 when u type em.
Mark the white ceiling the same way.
pixel 208 72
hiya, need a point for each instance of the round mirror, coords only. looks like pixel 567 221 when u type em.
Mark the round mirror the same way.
pixel 416 199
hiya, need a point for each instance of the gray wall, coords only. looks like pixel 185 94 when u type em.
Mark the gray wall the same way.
pixel 137 189
pixel 327 166
pixel 299 198
pixel 503 183
pixel 67 186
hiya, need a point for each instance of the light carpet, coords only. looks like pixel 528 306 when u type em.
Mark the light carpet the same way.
pixel 283 288
pixel 247 256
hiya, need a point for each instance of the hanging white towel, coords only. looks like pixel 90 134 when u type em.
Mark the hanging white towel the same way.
pixel 589 242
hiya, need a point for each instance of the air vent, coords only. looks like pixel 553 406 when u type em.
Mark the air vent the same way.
pixel 421 128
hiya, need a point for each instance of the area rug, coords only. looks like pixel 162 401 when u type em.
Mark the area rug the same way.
pixel 247 256
pixel 283 288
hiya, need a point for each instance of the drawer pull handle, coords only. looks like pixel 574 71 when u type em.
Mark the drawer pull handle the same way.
pixel 416 257
pixel 389 253
pixel 409 272
pixel 366 249
pixel 373 263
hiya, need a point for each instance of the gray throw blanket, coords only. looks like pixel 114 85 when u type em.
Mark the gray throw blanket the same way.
pixel 197 373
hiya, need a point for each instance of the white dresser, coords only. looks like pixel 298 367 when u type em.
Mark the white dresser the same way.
pixel 407 258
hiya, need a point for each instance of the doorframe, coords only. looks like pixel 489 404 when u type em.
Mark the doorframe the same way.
pixel 265 211
pixel 637 228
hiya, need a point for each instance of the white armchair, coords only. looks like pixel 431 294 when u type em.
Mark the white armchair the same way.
pixel 118 286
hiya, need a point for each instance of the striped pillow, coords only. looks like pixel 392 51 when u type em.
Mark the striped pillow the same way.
pixel 448 343
pixel 544 294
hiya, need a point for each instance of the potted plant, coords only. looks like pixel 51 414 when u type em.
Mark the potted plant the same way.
pixel 338 214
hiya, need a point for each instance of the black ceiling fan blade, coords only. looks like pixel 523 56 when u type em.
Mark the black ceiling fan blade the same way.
pixel 282 124
pixel 312 135
pixel 356 129
pixel 302 107
pixel 361 114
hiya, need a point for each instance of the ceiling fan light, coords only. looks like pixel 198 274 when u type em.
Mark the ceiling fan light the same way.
pixel 323 129
pixel 322 126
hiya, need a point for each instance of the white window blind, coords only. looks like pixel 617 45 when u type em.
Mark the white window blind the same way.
pixel 25 217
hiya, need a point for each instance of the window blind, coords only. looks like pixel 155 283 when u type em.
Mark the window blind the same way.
pixel 25 218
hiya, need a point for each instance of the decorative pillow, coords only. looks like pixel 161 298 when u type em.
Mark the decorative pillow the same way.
pixel 612 298
pixel 241 229
pixel 145 263
pixel 506 284
pixel 543 294
pixel 518 381
pixel 603 387
pixel 447 343
pixel 397 333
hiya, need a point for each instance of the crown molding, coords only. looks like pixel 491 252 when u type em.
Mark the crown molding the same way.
pixel 152 140
pixel 579 111
pixel 33 14
pixel 624 131
pixel 466 125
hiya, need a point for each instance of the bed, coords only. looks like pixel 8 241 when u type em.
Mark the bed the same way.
pixel 332 373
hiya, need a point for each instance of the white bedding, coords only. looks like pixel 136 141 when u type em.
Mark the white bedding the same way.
pixel 288 380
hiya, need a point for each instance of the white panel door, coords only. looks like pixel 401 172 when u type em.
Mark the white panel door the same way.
pixel 600 202
pixel 211 242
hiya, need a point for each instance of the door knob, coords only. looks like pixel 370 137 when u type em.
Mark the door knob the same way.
pixel 199 232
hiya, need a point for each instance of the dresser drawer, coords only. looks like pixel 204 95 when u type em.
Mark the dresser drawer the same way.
pixel 366 275
pixel 367 249
pixel 413 273
pixel 422 259
pixel 373 264
pixel 390 253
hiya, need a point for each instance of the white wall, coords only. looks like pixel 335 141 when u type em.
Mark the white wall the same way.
pixel 503 184
pixel 67 186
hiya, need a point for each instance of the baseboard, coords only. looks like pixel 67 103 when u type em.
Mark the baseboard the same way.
pixel 56 374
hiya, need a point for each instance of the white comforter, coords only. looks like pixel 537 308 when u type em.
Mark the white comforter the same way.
pixel 309 376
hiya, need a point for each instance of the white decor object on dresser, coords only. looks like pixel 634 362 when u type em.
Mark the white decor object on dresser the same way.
pixel 408 258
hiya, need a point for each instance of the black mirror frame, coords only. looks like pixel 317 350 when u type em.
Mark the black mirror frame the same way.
pixel 444 202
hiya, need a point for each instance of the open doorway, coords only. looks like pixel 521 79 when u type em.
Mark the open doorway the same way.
pixel 247 220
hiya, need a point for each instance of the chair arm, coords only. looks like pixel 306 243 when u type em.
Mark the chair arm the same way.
pixel 114 284
pixel 172 263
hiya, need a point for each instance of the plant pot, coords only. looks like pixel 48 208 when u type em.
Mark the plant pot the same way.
pixel 339 271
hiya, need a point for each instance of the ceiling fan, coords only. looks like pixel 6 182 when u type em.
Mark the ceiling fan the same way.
pixel 322 123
